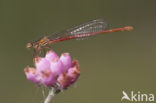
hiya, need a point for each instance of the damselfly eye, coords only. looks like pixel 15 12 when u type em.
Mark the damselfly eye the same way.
pixel 29 45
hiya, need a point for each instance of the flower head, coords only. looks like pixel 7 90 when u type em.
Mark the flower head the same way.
pixel 53 71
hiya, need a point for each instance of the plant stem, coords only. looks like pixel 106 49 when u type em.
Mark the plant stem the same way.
pixel 50 96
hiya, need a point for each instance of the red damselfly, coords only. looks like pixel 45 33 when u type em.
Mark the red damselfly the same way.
pixel 88 29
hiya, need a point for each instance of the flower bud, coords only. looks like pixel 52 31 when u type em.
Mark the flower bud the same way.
pixel 47 78
pixel 57 67
pixel 31 75
pixel 42 64
pixel 74 73
pixel 64 81
pixel 66 60
pixel 51 55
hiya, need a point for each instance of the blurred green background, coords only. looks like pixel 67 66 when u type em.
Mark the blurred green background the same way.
pixel 109 63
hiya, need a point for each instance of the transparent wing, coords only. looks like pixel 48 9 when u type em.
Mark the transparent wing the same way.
pixel 89 27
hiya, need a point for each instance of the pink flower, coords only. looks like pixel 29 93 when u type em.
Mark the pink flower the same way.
pixel 31 75
pixel 70 77
pixel 51 55
pixel 74 72
pixel 57 66
pixel 47 78
pixel 66 60
pixel 42 64
pixel 52 71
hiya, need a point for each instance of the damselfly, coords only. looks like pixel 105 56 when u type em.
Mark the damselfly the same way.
pixel 90 28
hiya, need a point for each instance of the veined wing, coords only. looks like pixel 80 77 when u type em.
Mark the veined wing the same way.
pixel 89 27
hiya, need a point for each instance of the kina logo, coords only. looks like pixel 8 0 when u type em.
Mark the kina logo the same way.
pixel 137 96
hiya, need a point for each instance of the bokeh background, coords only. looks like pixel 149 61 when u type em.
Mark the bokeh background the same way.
pixel 109 63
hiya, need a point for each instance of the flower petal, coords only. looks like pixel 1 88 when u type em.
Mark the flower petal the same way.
pixel 51 55
pixel 66 60
pixel 64 81
pixel 31 75
pixel 47 78
pixel 42 64
pixel 57 67
pixel 74 72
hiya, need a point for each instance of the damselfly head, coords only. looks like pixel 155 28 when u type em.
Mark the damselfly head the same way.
pixel 29 45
